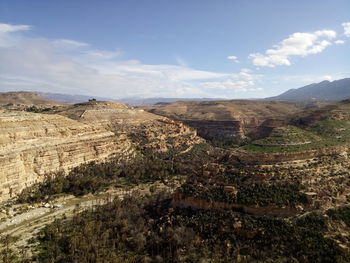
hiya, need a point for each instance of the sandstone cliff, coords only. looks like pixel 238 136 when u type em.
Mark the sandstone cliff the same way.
pixel 32 145
pixel 145 130
pixel 236 119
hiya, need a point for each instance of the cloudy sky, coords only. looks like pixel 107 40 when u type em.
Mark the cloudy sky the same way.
pixel 164 48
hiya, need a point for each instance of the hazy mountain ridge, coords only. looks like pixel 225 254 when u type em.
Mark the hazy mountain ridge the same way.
pixel 68 98
pixel 323 91
pixel 25 98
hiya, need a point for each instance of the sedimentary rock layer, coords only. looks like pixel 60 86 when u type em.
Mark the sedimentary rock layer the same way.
pixel 235 119
pixel 32 145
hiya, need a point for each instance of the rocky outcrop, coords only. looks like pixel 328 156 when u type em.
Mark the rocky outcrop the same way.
pixel 235 119
pixel 32 145
pixel 145 130
pixel 266 127
pixel 214 130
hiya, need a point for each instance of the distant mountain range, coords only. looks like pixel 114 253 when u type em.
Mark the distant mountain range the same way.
pixel 67 98
pixel 155 101
pixel 323 91
pixel 25 98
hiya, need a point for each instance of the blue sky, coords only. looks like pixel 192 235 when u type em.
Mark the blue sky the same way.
pixel 183 48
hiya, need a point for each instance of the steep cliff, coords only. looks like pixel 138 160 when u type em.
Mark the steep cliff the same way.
pixel 235 119
pixel 32 145
pixel 146 130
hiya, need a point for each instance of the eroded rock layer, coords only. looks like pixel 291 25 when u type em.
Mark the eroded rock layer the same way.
pixel 235 119
pixel 32 145
pixel 146 130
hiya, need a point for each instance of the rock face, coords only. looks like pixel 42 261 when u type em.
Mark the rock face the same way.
pixel 113 116
pixel 146 130
pixel 236 119
pixel 32 145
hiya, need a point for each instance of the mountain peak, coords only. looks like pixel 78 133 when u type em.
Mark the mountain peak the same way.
pixel 323 91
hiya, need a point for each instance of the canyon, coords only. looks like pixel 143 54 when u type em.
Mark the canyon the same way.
pixel 234 119
pixel 33 145
pixel 288 162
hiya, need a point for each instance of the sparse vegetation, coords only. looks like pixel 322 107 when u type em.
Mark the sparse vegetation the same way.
pixel 94 177
pixel 342 213
pixel 39 109
pixel 278 194
pixel 148 230
pixel 231 223
pixel 259 194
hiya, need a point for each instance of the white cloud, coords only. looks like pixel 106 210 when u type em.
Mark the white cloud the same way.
pixel 339 42
pixel 229 84
pixel 7 28
pixel 241 82
pixel 327 77
pixel 103 54
pixel 297 44
pixel 68 43
pixel 233 58
pixel 73 67
pixel 7 36
pixel 346 27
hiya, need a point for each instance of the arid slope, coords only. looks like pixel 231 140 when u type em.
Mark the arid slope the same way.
pixel 146 130
pixel 236 119
pixel 32 145
pixel 25 98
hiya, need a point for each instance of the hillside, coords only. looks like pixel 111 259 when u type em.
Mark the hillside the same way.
pixel 148 130
pixel 33 145
pixel 154 101
pixel 234 120
pixel 25 98
pixel 69 98
pixel 280 198
pixel 323 91
pixel 309 134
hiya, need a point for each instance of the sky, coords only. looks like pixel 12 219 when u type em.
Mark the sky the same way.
pixel 182 49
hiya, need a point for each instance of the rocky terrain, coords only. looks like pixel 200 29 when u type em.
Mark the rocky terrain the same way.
pixel 293 172
pixel 33 144
pixel 236 119
pixel 315 147
pixel 147 130
pixel 30 101
pixel 281 195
